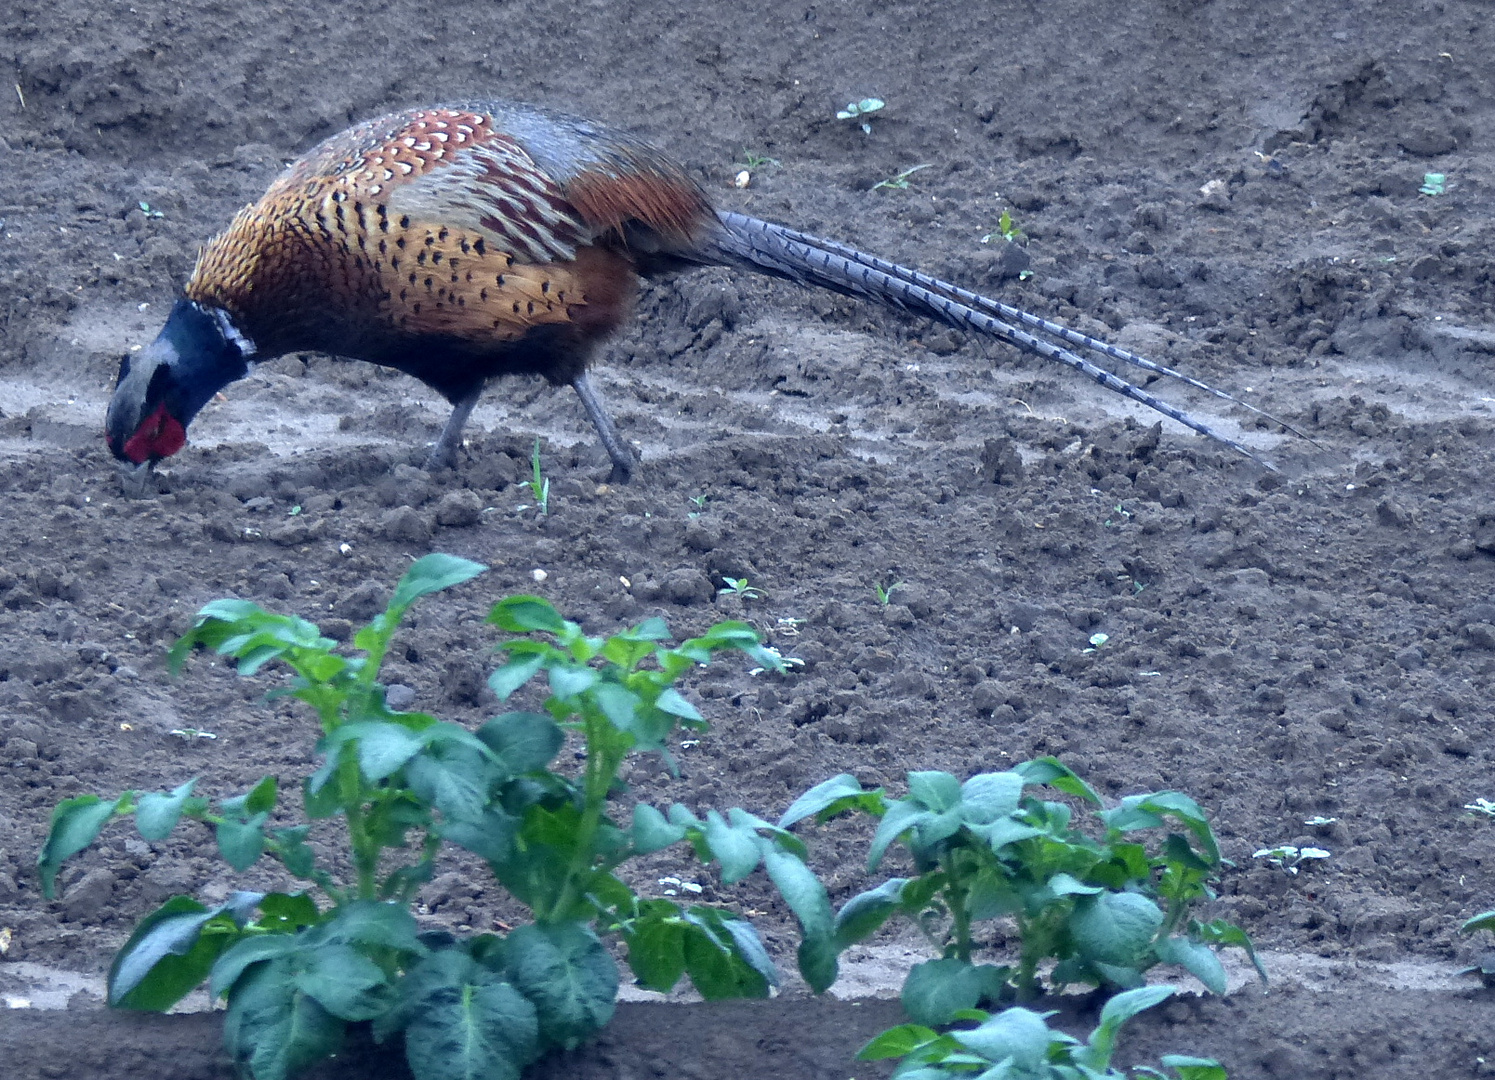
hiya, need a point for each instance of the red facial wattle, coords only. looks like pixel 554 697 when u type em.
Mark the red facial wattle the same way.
pixel 160 436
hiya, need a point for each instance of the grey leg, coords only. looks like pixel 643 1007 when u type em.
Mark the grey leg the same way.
pixel 621 456
pixel 444 453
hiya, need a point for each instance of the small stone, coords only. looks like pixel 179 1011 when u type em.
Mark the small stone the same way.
pixel 1410 658
pixel 458 509
pixel 87 898
pixel 399 697
pixel 405 523
pixel 688 586
pixel 987 696
pixel 1481 635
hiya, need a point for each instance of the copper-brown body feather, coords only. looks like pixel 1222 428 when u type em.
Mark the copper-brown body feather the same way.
pixel 430 237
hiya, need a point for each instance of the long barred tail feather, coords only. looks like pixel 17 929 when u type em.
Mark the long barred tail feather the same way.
pixel 811 260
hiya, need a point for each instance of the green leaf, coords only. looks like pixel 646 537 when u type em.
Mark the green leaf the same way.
pixel 821 797
pixel 432 573
pixel 1114 928
pixel 514 674
pixel 986 797
pixel 1049 771
pixel 383 748
pixel 1485 920
pixel 569 680
pixel 285 913
pixel 244 954
pixel 864 914
pixel 1195 1068
pixel 242 842
pixel 451 777
pixel 1221 932
pixel 748 946
pixel 738 850
pixel 490 837
pixel 652 831
pixel 569 977
pixel 673 702
pixel 474 1027
pixel 806 897
pixel 1198 959
pixel 524 614
pixel 716 967
pixel 158 813
pixel 373 924
pixel 1015 1033
pixel 75 824
pixel 345 982
pixel 274 1030
pixel 937 791
pixel 935 990
pixel 524 741
pixel 897 1041
pixel 656 946
pixel 901 817
pixel 168 955
pixel 1066 885
pixel 1117 1011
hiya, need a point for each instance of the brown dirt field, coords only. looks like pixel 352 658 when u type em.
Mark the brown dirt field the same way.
pixel 1313 644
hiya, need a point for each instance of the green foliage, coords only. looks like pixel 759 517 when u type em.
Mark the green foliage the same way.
pixel 861 111
pixel 538 483
pixel 1018 1044
pixel 1105 908
pixel 297 968
pixel 1433 183
pixel 899 181
pixel 1006 230
pixel 740 587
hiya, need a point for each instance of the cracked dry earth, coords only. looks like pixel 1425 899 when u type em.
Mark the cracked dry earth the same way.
pixel 1229 187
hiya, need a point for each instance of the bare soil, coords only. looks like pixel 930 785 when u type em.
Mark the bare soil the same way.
pixel 1229 187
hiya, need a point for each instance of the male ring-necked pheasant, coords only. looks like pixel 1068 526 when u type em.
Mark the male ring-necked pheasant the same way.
pixel 462 242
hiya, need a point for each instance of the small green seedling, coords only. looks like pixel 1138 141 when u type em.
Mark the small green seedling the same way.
pixel 188 734
pixel 885 595
pixel 740 587
pixel 899 182
pixel 1433 183
pixel 1318 821
pixel 752 160
pixel 1104 909
pixel 1006 230
pixel 392 789
pixel 861 111
pixel 538 483
pixel 1018 1044
pixel 145 208
pixel 1097 642
pixel 699 502
pixel 1481 806
pixel 1289 858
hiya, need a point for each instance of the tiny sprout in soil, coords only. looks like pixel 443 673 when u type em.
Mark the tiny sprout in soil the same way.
pixel 861 110
pixel 898 182
pixel 1289 858
pixel 885 595
pixel 1006 230
pixel 740 587
pixel 538 483
pixel 298 967
pixel 1433 183
pixel 752 160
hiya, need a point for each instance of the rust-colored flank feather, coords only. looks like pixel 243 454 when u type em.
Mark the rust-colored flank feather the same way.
pixel 434 222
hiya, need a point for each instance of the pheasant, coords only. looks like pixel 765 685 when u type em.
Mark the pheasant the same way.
pixel 458 243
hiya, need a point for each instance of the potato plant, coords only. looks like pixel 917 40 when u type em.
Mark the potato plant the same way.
pixel 1018 1044
pixel 1105 908
pixel 298 967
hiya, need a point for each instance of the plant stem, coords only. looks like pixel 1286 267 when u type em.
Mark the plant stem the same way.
pixel 602 766
pixel 960 915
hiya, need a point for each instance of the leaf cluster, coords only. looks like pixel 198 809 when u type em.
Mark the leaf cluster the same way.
pixel 296 971
pixel 1104 908
pixel 1018 1044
